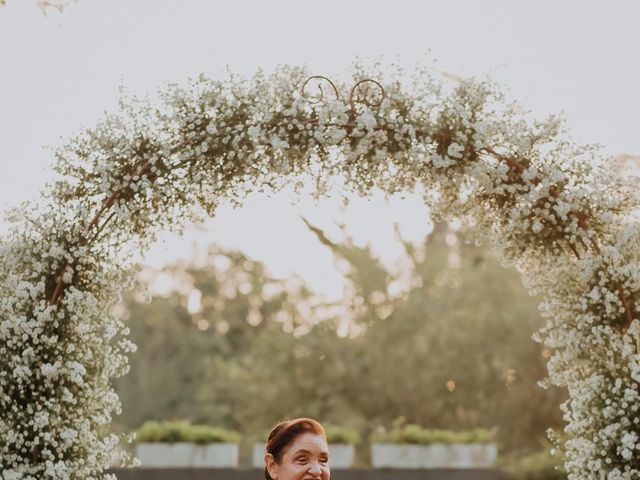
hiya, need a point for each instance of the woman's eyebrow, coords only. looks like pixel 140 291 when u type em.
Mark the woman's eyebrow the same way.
pixel 302 450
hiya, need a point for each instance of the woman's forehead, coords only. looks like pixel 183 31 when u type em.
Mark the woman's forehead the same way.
pixel 309 441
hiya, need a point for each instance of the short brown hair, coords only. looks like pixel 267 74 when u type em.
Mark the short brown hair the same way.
pixel 286 432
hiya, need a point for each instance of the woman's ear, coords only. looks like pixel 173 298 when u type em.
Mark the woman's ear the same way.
pixel 271 465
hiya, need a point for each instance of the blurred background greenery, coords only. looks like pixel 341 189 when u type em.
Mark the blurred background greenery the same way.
pixel 442 340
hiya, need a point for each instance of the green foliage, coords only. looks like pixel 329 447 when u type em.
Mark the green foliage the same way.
pixel 452 350
pixel 183 431
pixel 417 434
pixel 336 434
pixel 537 466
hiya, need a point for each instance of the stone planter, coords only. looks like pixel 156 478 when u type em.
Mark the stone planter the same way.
pixel 187 455
pixel 437 455
pixel 257 455
pixel 341 455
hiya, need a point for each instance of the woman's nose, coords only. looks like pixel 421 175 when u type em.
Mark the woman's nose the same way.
pixel 315 469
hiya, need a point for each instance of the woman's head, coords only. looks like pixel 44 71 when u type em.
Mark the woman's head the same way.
pixel 297 450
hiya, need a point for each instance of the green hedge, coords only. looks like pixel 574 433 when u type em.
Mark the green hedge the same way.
pixel 416 434
pixel 337 434
pixel 182 431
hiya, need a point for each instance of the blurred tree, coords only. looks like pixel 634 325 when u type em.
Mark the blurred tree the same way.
pixel 207 325
pixel 455 349
pixel 444 341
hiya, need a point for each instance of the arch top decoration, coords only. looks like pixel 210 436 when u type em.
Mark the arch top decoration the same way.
pixel 551 208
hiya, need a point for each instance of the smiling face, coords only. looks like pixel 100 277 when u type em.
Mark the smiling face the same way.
pixel 307 458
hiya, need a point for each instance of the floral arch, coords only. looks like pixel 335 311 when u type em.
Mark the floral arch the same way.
pixel 551 208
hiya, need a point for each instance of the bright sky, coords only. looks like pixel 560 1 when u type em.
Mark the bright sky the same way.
pixel 62 71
